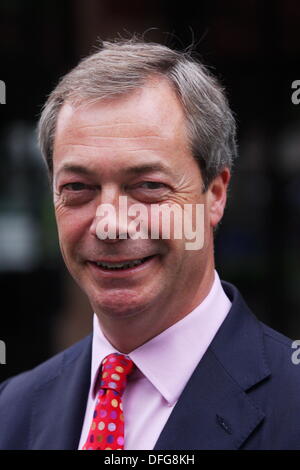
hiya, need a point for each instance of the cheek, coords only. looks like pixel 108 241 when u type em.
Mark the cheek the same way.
pixel 174 255
pixel 182 224
pixel 71 227
pixel 165 222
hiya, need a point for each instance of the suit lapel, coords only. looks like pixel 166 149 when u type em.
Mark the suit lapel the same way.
pixel 59 405
pixel 214 411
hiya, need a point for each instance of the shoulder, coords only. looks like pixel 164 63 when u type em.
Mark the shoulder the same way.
pixel 266 365
pixel 259 339
pixel 279 395
pixel 23 398
pixel 281 354
pixel 255 353
pixel 39 376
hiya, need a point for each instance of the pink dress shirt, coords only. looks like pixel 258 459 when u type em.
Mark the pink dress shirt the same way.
pixel 164 366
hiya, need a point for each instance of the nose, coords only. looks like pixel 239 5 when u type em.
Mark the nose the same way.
pixel 110 223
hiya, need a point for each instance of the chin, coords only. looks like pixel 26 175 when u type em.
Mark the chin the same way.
pixel 120 304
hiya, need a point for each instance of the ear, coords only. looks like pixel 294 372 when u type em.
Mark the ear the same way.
pixel 217 196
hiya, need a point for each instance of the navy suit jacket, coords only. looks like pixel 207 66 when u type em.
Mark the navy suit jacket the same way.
pixel 244 394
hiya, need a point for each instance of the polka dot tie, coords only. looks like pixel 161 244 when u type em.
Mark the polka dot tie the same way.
pixel 107 429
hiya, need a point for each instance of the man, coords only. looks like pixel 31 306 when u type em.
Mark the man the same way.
pixel 150 125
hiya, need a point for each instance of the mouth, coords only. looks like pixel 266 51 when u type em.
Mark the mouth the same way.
pixel 121 266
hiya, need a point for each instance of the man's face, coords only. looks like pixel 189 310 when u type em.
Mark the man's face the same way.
pixel 134 146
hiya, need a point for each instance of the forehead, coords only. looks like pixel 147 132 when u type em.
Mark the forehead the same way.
pixel 151 110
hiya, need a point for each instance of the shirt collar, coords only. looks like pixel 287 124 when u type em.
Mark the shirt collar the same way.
pixel 169 359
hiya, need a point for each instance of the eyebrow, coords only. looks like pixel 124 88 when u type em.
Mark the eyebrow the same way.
pixel 135 170
pixel 148 168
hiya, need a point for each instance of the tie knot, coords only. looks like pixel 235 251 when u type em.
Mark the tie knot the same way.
pixel 115 369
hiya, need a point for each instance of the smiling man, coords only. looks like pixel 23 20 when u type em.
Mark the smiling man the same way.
pixel 135 146
pixel 176 360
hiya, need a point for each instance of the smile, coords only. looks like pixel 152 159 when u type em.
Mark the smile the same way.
pixel 121 266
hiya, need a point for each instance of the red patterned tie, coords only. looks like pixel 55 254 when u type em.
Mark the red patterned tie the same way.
pixel 107 429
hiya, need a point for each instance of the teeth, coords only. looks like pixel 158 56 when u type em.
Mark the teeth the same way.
pixel 130 264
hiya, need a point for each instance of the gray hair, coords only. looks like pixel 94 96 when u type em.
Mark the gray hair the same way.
pixel 121 66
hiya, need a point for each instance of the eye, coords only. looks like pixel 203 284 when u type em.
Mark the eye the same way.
pixel 75 186
pixel 76 193
pixel 152 185
pixel 150 191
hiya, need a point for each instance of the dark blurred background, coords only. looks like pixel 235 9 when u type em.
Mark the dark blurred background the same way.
pixel 254 48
